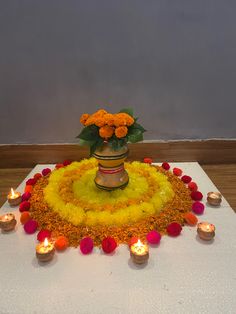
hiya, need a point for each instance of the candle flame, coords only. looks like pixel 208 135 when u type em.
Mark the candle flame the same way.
pixel 12 192
pixel 45 243
pixel 139 243
pixel 6 217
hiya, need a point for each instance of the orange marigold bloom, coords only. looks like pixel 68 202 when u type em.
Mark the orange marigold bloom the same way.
pixel 120 119
pixel 100 121
pixel 129 120
pixel 100 113
pixel 109 119
pixel 106 131
pixel 84 118
pixel 90 120
pixel 121 131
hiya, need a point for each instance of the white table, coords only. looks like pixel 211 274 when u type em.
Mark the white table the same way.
pixel 184 274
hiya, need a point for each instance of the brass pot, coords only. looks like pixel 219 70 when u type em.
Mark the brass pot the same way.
pixel 111 173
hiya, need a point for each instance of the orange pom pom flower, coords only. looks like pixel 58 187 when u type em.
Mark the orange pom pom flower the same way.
pixel 121 131
pixel 106 131
pixel 84 118
pixel 61 243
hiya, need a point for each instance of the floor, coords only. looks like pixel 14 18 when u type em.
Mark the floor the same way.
pixel 223 176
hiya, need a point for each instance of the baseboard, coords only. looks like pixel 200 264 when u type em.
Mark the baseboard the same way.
pixel 205 152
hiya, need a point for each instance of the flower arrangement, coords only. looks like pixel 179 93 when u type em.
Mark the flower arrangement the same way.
pixel 116 129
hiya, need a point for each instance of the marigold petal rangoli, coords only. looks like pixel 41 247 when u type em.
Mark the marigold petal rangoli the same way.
pixel 68 203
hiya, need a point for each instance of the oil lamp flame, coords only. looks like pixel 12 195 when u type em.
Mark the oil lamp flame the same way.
pixel 12 193
pixel 45 243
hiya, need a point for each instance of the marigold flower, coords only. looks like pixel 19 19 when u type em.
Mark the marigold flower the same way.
pixel 123 118
pixel 90 121
pixel 109 119
pixel 121 131
pixel 106 131
pixel 129 120
pixel 100 121
pixel 100 113
pixel 84 118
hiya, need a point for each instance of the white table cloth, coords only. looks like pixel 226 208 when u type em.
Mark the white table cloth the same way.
pixel 183 275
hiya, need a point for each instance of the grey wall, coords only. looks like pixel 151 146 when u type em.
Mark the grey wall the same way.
pixel 172 60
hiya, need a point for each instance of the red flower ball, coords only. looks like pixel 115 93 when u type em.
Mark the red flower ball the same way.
pixel 196 195
pixel 46 171
pixel 58 166
pixel 86 245
pixel 186 179
pixel 24 206
pixel 153 237
pixel 31 181
pixel 177 172
pixel 147 160
pixel 66 162
pixel 44 233
pixel 165 166
pixel 26 196
pixel 109 245
pixel 133 240
pixel 30 226
pixel 174 229
pixel 198 208
pixel 192 186
pixel 37 176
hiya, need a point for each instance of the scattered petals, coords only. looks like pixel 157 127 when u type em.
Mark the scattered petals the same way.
pixel 109 245
pixel 186 179
pixel 198 208
pixel 165 166
pixel 177 172
pixel 147 160
pixel 86 245
pixel 44 233
pixel 26 196
pixel 154 237
pixel 174 229
pixel 46 171
pixel 24 217
pixel 24 206
pixel 196 195
pixel 191 219
pixel 193 186
pixel 30 226
pixel 61 243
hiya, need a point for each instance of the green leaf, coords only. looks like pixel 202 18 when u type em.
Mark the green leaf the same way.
pixel 129 111
pixel 135 135
pixel 89 133
pixel 138 126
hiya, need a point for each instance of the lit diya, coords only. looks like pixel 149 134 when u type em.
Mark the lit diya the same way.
pixel 139 252
pixel 206 231
pixel 45 251
pixel 214 198
pixel 14 198
pixel 7 222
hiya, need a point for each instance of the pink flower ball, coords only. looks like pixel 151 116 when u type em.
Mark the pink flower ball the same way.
pixel 46 171
pixel 86 245
pixel 196 195
pixel 186 179
pixel 153 237
pixel 24 206
pixel 31 181
pixel 192 186
pixel 44 233
pixel 174 229
pixel 26 196
pixel 109 245
pixel 66 162
pixel 198 208
pixel 165 166
pixel 30 226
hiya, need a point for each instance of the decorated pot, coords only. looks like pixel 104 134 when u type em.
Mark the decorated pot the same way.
pixel 111 173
